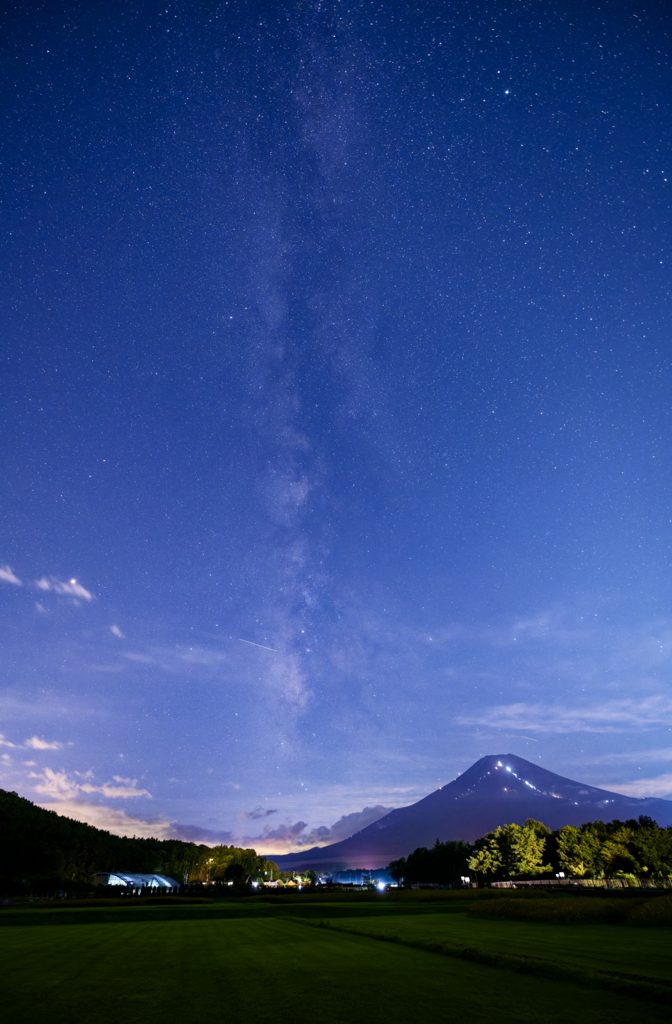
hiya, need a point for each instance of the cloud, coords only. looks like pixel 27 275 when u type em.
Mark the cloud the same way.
pixel 116 792
pixel 278 840
pixel 345 827
pixel 196 834
pixel 37 744
pixel 4 742
pixel 202 656
pixel 70 587
pixel 55 784
pixel 117 632
pixel 8 576
pixel 175 659
pixel 59 786
pixel 289 838
pixel 660 786
pixel 118 821
pixel 636 756
pixel 254 815
pixel 607 716
pixel 112 819
pixel 48 706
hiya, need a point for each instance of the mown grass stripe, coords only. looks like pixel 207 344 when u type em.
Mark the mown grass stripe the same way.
pixel 658 990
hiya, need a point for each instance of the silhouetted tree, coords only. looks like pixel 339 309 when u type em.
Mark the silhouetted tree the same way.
pixel 397 869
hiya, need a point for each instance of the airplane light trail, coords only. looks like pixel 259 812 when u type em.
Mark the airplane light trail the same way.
pixel 257 645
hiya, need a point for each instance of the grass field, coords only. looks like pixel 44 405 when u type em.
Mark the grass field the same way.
pixel 594 947
pixel 245 961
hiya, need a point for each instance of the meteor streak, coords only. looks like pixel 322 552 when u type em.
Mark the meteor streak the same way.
pixel 257 645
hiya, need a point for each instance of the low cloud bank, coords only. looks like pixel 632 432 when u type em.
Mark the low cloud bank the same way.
pixel 120 823
pixel 112 819
pixel 660 786
pixel 345 827
pixel 275 840
pixel 196 834
pixel 291 838
pixel 69 794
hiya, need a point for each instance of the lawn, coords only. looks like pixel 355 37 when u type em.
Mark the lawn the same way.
pixel 644 952
pixel 244 962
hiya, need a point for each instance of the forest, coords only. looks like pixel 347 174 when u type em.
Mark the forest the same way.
pixel 635 848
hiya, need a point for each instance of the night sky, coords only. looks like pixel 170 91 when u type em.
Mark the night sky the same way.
pixel 335 419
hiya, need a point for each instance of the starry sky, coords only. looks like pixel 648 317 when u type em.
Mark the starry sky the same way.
pixel 336 380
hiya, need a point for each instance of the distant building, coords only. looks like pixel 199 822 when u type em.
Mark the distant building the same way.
pixel 359 876
pixel 134 881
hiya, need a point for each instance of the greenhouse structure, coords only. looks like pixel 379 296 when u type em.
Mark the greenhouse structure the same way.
pixel 132 881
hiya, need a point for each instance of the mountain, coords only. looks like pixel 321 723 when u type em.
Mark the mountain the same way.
pixel 497 790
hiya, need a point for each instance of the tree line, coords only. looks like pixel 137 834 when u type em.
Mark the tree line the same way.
pixel 597 849
pixel 42 851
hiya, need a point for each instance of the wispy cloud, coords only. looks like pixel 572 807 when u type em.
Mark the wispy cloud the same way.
pixel 660 786
pixel 60 786
pixel 176 658
pixel 257 813
pixel 37 744
pixel 70 588
pixel 48 706
pixel 8 576
pixel 4 742
pixel 117 792
pixel 117 632
pixel 605 716
pixel 630 756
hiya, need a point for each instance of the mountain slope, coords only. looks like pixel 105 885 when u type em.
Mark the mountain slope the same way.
pixel 498 789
